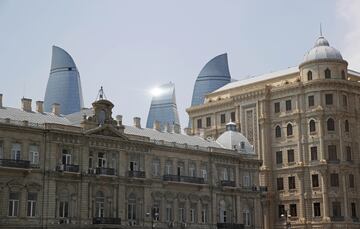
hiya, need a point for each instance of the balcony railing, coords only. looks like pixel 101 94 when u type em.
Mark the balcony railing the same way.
pixel 334 161
pixel 230 226
pixel 228 183
pixel 139 174
pixel 188 179
pixel 15 163
pixel 100 220
pixel 68 168
pixel 105 171
pixel 337 218
pixel 263 188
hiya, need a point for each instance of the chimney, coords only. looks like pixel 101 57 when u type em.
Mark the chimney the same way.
pixel 176 128
pixel 187 131
pixel 56 109
pixel 26 104
pixel 167 128
pixel 0 100
pixel 39 106
pixel 119 119
pixel 156 125
pixel 137 122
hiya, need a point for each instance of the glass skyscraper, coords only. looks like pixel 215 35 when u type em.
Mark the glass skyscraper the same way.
pixel 64 86
pixel 163 107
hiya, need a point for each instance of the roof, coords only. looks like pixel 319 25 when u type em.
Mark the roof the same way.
pixel 322 51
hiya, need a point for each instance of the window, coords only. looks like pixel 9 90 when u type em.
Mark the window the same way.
pixel 16 151
pixel 327 73
pixel 168 168
pixel 192 169
pixel 132 208
pixel 232 115
pixel 332 153
pixel 279 159
pixel 1 150
pixel 277 131
pixel 156 167
pixel 317 211
pixel 288 105
pixel 334 180
pixel 281 208
pixel 311 101
pixel 34 154
pixel 101 160
pixel 328 99
pixel 99 205
pixel 225 174
pixel 192 215
pixel 204 214
pixel 180 168
pixel 31 204
pixel 343 75
pixel 330 124
pixel 63 209
pixel 315 180
pixel 156 212
pixel 291 156
pixel 348 153
pixel 347 127
pixel 169 214
pixel 277 107
pixel 336 207
pixel 312 126
pixel 351 181
pixel 199 123
pixel 293 211
pixel 353 210
pixel 309 75
pixel 91 158
pixel 246 180
pixel 208 121
pixel 222 118
pixel 345 103
pixel 246 217
pixel 289 130
pixel 291 182
pixel 313 151
pixel 66 157
pixel 204 172
pixel 182 214
pixel 280 183
pixel 14 199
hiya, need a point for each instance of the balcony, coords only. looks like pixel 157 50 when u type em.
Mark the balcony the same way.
pixel 337 218
pixel 333 161
pixel 227 183
pixel 100 220
pixel 355 219
pixel 138 174
pixel 188 179
pixel 15 163
pixel 68 168
pixel 263 188
pixel 105 171
pixel 230 226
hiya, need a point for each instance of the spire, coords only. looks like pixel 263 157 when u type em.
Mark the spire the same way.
pixel 321 30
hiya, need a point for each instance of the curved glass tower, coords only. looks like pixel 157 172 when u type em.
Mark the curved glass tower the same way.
pixel 64 86
pixel 212 76
pixel 163 107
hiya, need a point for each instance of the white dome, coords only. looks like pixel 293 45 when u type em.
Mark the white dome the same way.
pixel 231 139
pixel 322 51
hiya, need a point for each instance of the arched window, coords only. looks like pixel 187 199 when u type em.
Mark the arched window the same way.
pixel 277 131
pixel 327 73
pixel 312 126
pixel 289 130
pixel 343 76
pixel 309 75
pixel 100 205
pixel 330 124
pixel 246 217
pixel 347 127
pixel 132 209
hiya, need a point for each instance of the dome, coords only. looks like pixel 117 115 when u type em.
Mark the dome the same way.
pixel 322 51
pixel 234 140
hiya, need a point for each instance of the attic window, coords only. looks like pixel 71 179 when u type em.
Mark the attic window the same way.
pixel 242 145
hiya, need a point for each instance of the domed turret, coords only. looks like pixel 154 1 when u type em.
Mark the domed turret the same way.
pixel 322 51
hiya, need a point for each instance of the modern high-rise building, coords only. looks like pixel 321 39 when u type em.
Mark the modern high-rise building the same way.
pixel 163 108
pixel 64 86
pixel 303 123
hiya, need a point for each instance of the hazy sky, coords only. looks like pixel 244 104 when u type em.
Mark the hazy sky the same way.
pixel 131 46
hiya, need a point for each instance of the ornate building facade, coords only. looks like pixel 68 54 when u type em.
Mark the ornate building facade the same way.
pixel 89 170
pixel 304 123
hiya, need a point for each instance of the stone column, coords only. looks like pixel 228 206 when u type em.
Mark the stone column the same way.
pixel 238 209
pixel 84 201
pixel 301 200
pixel 321 138
pixel 346 203
pixel 341 145
pixel 325 198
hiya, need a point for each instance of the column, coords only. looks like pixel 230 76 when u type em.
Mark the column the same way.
pixel 341 145
pixel 83 199
pixel 325 198
pixel 321 138
pixel 346 203
pixel 198 211
pixel 238 209
pixel 301 201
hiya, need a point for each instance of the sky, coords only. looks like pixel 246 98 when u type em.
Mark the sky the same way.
pixel 130 47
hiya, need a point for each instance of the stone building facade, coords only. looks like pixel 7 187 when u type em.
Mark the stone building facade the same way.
pixel 304 123
pixel 88 170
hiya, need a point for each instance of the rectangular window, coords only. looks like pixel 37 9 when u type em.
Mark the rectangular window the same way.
pixel 156 213
pixel 353 210
pixel 246 180
pixel 317 211
pixel 293 211
pixel 328 99
pixel 168 168
pixel 34 154
pixel 156 167
pixel 64 209
pixel 182 214
pixel 169 216
pixel 192 215
pixel 204 173
pixel 199 123
pixel 334 180
pixel 336 207
pixel 16 151
pixel 290 154
pixel 204 214
pixel 348 153
pixel 280 183
pixel 131 211
pixel 208 121
pixel 332 153
pixel 315 180
pixel 277 107
pixel 232 116
pixel 314 154
pixel 279 159
pixel 351 181
pixel 66 157
pixel 1 151
pixel 311 100
pixel 31 204
pixel 281 210
pixel 14 199
pixel 291 182
pixel 90 160
pixel 288 105
pixel 222 118
pixel 192 170
pixel 345 100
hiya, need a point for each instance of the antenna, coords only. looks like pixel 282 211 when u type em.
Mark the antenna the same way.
pixel 321 30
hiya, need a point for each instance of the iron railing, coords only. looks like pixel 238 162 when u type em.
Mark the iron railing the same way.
pixel 107 220
pixel 105 171
pixel 139 174
pixel 15 163
pixel 230 226
pixel 228 183
pixel 68 168
pixel 188 179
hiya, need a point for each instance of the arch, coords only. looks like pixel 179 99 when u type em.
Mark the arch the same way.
pixel 347 127
pixel 278 131
pixel 330 123
pixel 312 126
pixel 289 129
pixel 327 73
pixel 309 75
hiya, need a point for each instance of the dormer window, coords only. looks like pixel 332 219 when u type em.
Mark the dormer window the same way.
pixel 309 75
pixel 343 75
pixel 327 74
pixel 242 145
pixel 101 117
